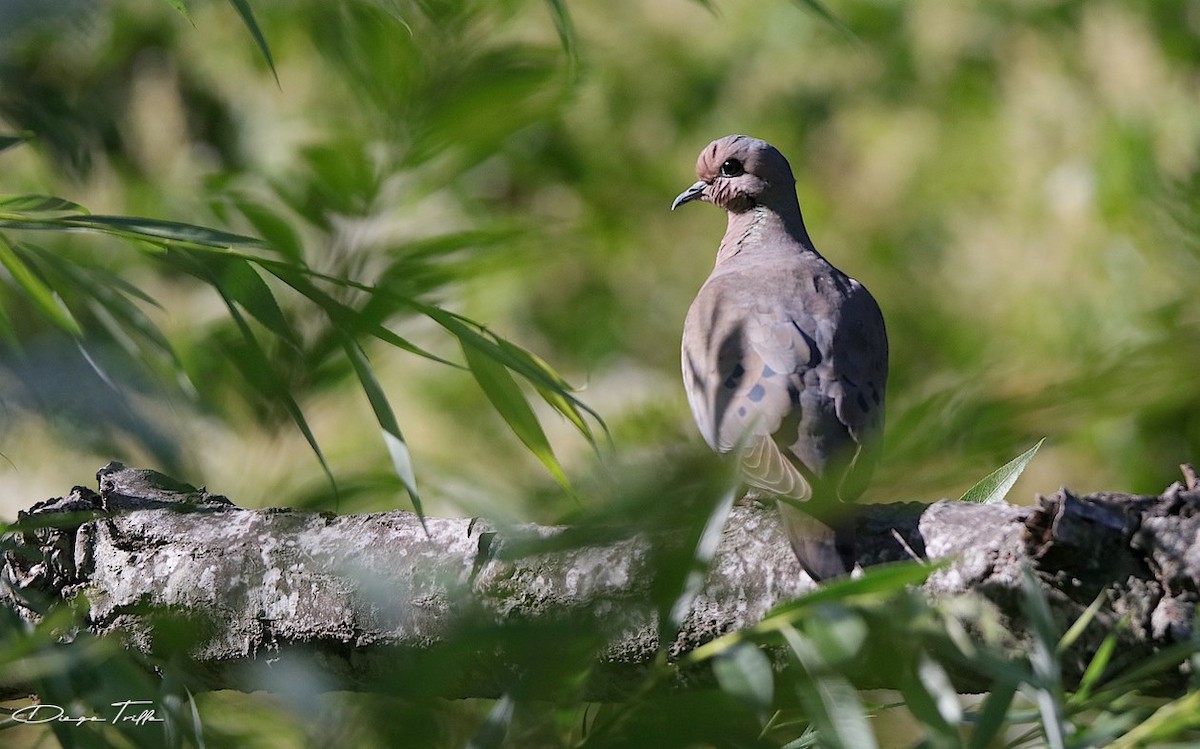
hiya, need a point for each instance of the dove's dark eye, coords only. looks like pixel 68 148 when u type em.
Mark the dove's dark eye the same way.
pixel 732 168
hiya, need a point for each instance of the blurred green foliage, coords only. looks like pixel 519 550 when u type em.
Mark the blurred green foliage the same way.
pixel 1017 182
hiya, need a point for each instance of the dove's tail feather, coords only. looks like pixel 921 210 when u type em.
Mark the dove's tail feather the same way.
pixel 825 548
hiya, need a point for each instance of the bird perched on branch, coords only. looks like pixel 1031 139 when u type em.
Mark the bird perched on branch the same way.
pixel 785 357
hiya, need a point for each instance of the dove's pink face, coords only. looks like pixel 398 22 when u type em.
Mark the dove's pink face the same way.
pixel 738 172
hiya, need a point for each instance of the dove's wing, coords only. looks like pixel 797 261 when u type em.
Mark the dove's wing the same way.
pixel 788 364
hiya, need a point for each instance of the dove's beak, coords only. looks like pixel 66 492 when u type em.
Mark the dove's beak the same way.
pixel 695 192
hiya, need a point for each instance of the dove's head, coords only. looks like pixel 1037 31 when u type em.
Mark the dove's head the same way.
pixel 738 173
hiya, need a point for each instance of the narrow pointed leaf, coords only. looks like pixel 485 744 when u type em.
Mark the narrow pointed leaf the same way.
pixel 386 418
pixel 346 317
pixel 1095 668
pixel 8 141
pixel 42 297
pixel 994 715
pixel 39 204
pixel 513 357
pixel 565 28
pixel 259 374
pixel 832 702
pixel 243 9
pixel 510 402
pixel 155 229
pixel 745 673
pixel 994 487
pixel 180 6
pixel 239 279
pixel 274 230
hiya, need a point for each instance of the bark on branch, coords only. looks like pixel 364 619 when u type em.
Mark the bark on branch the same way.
pixel 369 595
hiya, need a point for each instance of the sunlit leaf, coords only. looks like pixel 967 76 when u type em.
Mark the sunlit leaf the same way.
pixel 1095 668
pixel 994 487
pixel 513 357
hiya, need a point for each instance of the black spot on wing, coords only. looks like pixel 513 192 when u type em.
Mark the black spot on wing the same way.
pixel 757 393
pixel 735 377
pixel 814 354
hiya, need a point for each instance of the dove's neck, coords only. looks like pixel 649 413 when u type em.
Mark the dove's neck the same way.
pixel 762 229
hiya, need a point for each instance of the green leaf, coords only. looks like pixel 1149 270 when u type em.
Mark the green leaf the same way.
pixel 491 734
pixel 346 317
pixel 1095 668
pixel 260 375
pixel 931 698
pixel 830 700
pixel 386 418
pixel 50 204
pixel 565 28
pixel 154 229
pixel 239 279
pixel 881 580
pixel 180 6
pixel 109 299
pixel 994 716
pixel 819 9
pixel 1080 625
pixel 275 231
pixel 1167 722
pixel 510 402
pixel 243 9
pixel 8 141
pixel 42 297
pixel 515 358
pixel 745 673
pixel 994 487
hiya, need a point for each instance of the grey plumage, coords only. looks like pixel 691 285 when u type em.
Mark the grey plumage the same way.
pixel 784 356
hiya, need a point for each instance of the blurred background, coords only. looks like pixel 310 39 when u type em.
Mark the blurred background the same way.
pixel 1016 182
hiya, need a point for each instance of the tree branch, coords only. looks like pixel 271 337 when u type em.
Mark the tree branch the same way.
pixel 368 596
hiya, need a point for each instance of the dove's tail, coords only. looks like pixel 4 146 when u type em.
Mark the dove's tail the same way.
pixel 825 548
